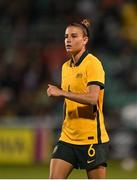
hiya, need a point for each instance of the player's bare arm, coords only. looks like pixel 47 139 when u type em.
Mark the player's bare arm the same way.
pixel 90 97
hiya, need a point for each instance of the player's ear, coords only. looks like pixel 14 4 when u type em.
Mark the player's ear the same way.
pixel 85 40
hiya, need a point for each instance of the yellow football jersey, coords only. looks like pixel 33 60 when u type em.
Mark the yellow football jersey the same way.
pixel 83 124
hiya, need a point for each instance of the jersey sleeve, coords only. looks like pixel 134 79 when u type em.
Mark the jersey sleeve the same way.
pixel 95 73
pixel 62 77
pixel 63 72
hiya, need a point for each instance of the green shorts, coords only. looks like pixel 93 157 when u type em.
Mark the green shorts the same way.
pixel 82 156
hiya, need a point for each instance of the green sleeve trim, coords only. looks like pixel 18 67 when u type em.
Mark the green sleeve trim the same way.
pixel 96 83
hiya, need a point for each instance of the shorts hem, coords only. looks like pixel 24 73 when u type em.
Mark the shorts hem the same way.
pixel 94 167
pixel 63 160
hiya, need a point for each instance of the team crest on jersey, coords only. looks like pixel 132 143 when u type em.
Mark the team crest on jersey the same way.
pixel 79 75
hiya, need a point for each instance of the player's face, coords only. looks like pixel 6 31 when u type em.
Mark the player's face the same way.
pixel 75 41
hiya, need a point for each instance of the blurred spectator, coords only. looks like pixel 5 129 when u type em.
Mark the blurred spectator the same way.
pixel 129 16
pixel 53 57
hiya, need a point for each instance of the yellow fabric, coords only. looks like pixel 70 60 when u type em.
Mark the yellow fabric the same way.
pixel 80 125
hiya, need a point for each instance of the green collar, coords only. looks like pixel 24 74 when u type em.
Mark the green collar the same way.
pixel 80 59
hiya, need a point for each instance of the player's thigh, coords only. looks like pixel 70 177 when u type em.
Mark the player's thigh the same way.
pixel 97 173
pixel 59 169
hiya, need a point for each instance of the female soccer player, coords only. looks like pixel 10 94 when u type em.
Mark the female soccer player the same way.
pixel 84 141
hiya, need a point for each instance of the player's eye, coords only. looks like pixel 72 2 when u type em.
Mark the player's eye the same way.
pixel 74 35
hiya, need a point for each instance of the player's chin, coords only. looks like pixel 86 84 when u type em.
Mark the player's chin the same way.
pixel 70 51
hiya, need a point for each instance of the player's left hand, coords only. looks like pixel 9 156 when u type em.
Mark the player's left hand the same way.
pixel 53 90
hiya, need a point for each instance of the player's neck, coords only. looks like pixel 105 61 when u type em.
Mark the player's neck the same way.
pixel 77 56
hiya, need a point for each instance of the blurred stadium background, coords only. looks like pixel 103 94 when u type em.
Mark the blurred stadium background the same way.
pixel 31 55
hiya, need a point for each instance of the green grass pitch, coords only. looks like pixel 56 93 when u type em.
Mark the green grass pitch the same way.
pixel 114 171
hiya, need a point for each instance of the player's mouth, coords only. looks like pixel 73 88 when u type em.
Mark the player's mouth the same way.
pixel 68 46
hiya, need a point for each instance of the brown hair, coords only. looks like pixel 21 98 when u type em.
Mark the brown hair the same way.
pixel 84 25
